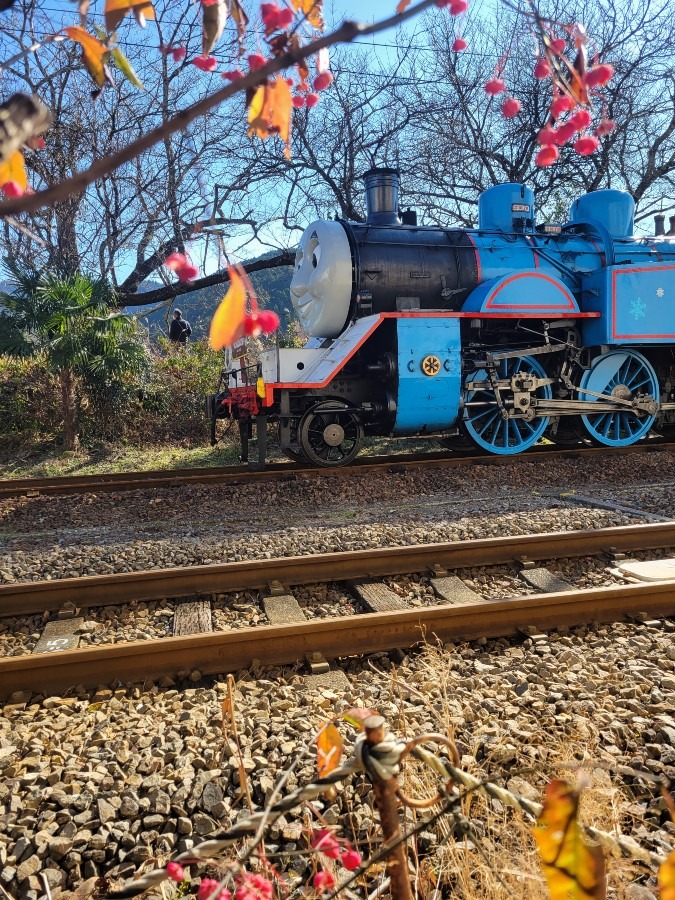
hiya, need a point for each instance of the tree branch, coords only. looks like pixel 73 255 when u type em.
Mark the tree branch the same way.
pixel 285 258
pixel 346 33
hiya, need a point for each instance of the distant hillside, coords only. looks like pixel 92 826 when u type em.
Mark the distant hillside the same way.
pixel 271 285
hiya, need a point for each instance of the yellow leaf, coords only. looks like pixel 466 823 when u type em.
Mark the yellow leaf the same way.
pixel 227 325
pixel 667 878
pixel 93 52
pixel 13 169
pixel 329 750
pixel 357 715
pixel 270 112
pixel 312 11
pixel 573 869
pixel 116 10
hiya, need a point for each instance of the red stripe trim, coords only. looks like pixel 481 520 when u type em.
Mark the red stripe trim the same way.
pixel 568 297
pixel 479 271
pixel 629 271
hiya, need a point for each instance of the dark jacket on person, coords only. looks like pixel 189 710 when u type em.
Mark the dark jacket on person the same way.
pixel 179 330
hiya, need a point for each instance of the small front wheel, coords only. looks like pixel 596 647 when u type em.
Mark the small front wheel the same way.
pixel 330 434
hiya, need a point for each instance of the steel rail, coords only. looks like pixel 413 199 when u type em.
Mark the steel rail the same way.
pixel 279 471
pixel 29 597
pixel 229 651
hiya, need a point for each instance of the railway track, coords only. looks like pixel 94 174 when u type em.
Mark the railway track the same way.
pixel 128 481
pixel 395 625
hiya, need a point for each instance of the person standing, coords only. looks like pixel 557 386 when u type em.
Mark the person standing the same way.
pixel 179 330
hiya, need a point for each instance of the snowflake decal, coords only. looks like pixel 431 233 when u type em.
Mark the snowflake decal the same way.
pixel 638 308
pixel 660 292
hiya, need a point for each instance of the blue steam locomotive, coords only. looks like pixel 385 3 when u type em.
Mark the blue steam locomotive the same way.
pixel 498 335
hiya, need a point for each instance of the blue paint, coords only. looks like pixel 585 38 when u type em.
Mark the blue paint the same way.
pixel 637 304
pixel 629 374
pixel 615 210
pixel 427 403
pixel 485 424
pixel 506 207
pixel 528 291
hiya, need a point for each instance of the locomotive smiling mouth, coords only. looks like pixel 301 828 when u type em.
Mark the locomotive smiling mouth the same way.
pixel 321 287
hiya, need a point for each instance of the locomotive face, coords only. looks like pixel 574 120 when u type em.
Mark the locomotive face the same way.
pixel 321 288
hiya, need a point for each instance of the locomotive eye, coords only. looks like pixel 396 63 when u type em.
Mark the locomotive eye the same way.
pixel 315 261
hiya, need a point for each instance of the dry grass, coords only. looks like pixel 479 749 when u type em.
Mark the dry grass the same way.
pixel 488 850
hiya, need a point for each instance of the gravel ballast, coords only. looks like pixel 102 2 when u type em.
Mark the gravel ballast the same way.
pixel 94 784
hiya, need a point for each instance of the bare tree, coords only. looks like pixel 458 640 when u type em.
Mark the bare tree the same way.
pixel 124 225
pixel 463 144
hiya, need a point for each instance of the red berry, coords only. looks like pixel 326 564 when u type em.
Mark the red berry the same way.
pixel 560 105
pixel 598 75
pixel 251 325
pixel 558 45
pixel 298 101
pixel 175 261
pixel 581 119
pixel 605 127
pixel 495 86
pixel 457 7
pixel 303 86
pixel 205 63
pixel 546 156
pixel 311 100
pixel 351 859
pixel 546 136
pixel 256 61
pixel 268 321
pixel 542 69
pixel 173 869
pixel 290 82
pixel 12 189
pixel 232 75
pixel 269 13
pixel 178 53
pixel 586 145
pixel 323 881
pixel 564 134
pixel 285 18
pixel 322 81
pixel 459 44
pixel 206 888
pixel 510 108
pixel 188 272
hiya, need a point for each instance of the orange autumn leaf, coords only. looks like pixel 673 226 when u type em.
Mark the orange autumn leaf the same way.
pixel 227 325
pixel 14 169
pixel 667 878
pixel 312 10
pixel 403 5
pixel 573 869
pixel 329 750
pixel 667 868
pixel 93 52
pixel 116 10
pixel 270 112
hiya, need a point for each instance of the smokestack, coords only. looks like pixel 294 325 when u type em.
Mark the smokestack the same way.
pixel 382 189
pixel 659 225
pixel 671 233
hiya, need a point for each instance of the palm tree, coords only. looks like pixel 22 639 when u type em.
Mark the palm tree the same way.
pixel 70 320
